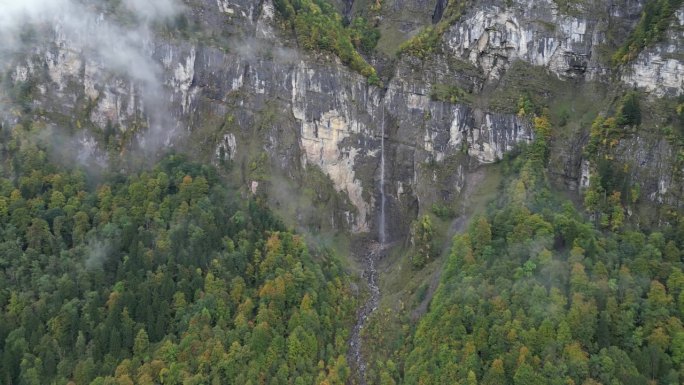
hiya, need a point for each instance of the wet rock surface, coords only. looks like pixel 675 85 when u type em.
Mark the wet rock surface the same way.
pixel 369 260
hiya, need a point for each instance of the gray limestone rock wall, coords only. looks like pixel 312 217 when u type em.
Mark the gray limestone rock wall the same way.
pixel 567 41
pixel 660 69
pixel 332 113
pixel 309 111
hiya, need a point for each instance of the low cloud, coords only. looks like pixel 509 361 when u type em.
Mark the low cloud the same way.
pixel 97 252
pixel 114 37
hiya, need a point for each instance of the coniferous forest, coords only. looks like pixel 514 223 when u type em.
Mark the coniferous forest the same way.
pixel 535 292
pixel 163 276
pixel 340 192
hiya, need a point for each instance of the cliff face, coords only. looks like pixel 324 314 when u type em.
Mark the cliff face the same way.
pixel 538 32
pixel 237 80
pixel 660 69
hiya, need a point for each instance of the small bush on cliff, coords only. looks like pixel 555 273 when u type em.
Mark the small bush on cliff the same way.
pixel 629 113
pixel 447 93
pixel 426 42
pixel 364 36
pixel 421 238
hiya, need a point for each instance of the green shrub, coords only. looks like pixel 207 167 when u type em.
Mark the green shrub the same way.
pixel 421 235
pixel 422 45
pixel 442 211
pixel 426 42
pixel 655 19
pixel 447 93
pixel 364 36
pixel 629 113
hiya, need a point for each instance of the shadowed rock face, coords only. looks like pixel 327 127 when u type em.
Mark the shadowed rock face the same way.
pixel 439 11
pixel 323 115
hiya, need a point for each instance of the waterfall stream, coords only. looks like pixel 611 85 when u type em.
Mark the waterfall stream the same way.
pixel 382 232
pixel 370 273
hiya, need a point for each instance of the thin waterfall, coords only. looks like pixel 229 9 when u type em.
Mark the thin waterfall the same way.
pixel 370 274
pixel 382 234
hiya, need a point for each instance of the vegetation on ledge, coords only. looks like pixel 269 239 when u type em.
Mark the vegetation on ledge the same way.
pixel 448 93
pixel 426 42
pixel 655 19
pixel 319 27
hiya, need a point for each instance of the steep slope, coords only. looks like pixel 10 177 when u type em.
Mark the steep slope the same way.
pixel 165 276
pixel 226 69
pixel 281 97
pixel 532 293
